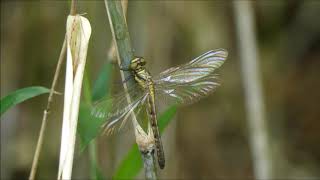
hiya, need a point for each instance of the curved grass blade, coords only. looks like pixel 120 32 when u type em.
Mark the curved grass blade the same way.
pixel 19 96
pixel 132 163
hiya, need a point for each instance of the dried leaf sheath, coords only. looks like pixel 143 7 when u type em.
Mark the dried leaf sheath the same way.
pixel 78 34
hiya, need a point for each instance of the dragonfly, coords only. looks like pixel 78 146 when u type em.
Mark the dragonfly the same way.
pixel 181 85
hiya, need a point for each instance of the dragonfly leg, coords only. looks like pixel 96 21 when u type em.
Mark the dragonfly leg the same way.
pixel 127 79
pixel 122 68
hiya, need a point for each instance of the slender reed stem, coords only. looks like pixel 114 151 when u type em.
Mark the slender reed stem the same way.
pixel 73 8
pixel 93 159
pixel 258 130
pixel 47 110
pixel 124 52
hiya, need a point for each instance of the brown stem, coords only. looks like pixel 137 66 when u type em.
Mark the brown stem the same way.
pixel 73 8
pixel 46 111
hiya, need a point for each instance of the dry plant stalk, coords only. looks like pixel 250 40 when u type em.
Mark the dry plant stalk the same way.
pixel 259 139
pixel 50 98
pixel 46 112
pixel 78 35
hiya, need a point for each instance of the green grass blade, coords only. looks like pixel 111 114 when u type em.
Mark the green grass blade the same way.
pixel 166 117
pixel 88 125
pixel 88 128
pixel 101 86
pixel 86 88
pixel 19 96
pixel 132 163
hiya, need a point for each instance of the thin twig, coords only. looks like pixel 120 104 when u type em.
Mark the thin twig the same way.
pixel 149 164
pixel 73 8
pixel 124 51
pixel 258 130
pixel 46 111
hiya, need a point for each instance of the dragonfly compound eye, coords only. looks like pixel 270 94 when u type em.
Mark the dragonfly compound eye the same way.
pixel 134 63
pixel 142 61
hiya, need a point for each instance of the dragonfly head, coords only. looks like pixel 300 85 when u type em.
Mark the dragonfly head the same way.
pixel 137 63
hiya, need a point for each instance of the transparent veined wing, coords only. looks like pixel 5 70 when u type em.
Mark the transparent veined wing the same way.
pixel 116 109
pixel 188 83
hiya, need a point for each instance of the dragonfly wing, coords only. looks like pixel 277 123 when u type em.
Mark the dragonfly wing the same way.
pixel 116 109
pixel 187 83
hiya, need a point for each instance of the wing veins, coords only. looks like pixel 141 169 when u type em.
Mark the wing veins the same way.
pixel 193 80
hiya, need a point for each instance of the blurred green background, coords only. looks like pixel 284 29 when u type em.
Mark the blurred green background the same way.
pixel 209 139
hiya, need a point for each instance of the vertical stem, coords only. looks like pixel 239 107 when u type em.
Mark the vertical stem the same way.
pixel 253 90
pixel 93 159
pixel 124 51
pixel 149 165
pixel 73 8
pixel 46 111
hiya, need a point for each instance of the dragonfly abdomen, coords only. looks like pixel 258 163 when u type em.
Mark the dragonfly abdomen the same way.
pixel 156 133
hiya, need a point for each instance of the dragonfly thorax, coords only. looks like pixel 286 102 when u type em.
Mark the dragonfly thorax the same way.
pixel 138 63
pixel 140 73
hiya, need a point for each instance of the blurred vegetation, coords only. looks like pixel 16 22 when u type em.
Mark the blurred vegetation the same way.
pixel 208 139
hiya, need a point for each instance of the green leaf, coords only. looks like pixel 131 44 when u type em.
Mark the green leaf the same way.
pixel 86 88
pixel 132 163
pixel 166 117
pixel 99 175
pixel 21 95
pixel 88 125
pixel 102 84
